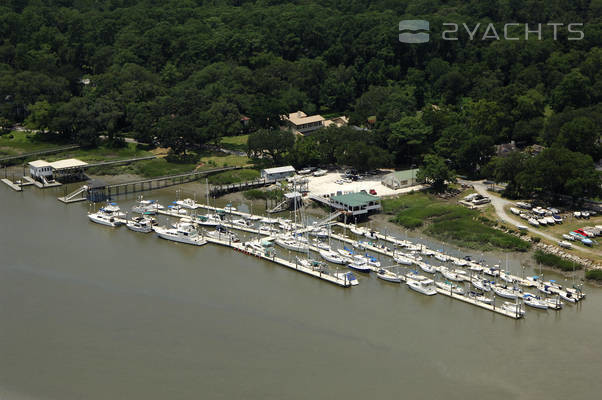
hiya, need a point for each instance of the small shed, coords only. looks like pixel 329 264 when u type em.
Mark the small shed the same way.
pixel 39 169
pixel 278 173
pixel 400 179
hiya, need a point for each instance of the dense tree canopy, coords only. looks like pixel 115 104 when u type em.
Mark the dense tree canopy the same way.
pixel 182 73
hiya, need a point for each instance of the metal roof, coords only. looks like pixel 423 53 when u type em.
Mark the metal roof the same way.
pixel 279 170
pixel 355 199
pixel 68 163
pixel 39 163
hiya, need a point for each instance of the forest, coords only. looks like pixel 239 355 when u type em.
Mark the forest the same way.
pixel 182 73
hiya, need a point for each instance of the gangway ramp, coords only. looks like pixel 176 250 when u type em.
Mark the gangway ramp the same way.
pixel 77 195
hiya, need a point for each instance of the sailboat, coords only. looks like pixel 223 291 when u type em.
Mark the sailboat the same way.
pixel 388 276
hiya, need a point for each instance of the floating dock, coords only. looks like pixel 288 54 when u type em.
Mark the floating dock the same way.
pixel 12 185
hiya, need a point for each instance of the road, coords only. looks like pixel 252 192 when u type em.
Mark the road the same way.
pixel 499 203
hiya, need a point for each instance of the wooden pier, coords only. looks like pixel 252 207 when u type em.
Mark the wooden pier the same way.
pixel 219 190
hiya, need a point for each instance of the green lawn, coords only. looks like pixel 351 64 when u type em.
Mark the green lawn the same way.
pixel 24 142
pixel 450 222
pixel 235 142
pixel 239 175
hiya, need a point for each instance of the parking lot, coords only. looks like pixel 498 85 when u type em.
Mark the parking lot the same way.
pixel 327 184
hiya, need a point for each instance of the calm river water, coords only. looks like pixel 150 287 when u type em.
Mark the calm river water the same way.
pixel 87 312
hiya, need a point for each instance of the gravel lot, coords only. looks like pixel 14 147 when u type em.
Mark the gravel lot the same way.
pixel 326 184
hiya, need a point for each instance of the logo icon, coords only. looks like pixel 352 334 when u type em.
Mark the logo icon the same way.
pixel 414 25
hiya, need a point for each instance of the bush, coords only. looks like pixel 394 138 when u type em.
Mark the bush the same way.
pixel 594 274
pixel 234 176
pixel 555 261
pixel 258 194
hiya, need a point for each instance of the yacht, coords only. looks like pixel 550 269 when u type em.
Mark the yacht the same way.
pixel 141 224
pixel 421 285
pixel 110 215
pixel 450 287
pixel 332 256
pixel 188 203
pixel 184 233
pixel 388 276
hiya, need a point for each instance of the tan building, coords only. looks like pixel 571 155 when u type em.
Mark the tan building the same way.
pixel 300 122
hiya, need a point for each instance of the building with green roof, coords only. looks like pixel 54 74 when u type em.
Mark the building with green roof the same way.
pixel 357 204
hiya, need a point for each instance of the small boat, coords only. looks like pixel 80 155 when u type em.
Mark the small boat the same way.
pixel 506 277
pixel 577 214
pixel 427 252
pixel 320 245
pixel 565 244
pixel 229 208
pixel 332 256
pixel 345 252
pixel 388 276
pixel 450 287
pixel 513 308
pixel 522 227
pixel 441 257
pixel 208 220
pixel 421 285
pixel 550 220
pixel 523 216
pixel 481 298
pixel 140 224
pixel 514 211
pixel 567 296
pixel 587 242
pixel 177 209
pixel 184 233
pixel 188 203
pixel 533 222
pixel 402 259
pixel 506 293
pixel 359 264
pixel 356 230
pixel 222 233
pixel 372 261
pixel 542 221
pixel 568 237
pixel 491 271
pixel 319 232
pixel 481 284
pixel 429 269
pixel 557 219
pixel 545 289
pixel 535 302
pixel 320 172
pixel 459 262
pixel 242 223
pixel 476 268
pixel 311 264
pixel 451 275
pixel 267 220
pixel 289 243
pixel 147 207
pixel 371 235
pixel 554 303
pixel 585 214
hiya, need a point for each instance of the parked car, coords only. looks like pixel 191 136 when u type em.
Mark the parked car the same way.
pixel 373 192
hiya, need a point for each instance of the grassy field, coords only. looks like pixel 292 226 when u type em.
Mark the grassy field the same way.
pixel 594 274
pixel 445 220
pixel 235 142
pixel 24 142
pixel 239 175
pixel 256 194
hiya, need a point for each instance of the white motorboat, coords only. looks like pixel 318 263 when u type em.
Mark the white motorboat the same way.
pixel 267 220
pixel 177 209
pixel 140 224
pixel 356 230
pixel 243 223
pixel 422 285
pixel 568 237
pixel 542 221
pixel 514 211
pixel 506 293
pixel 557 219
pixel 450 287
pixel 513 308
pixel 388 276
pixel 522 227
pixel 311 264
pixel 320 172
pixel 550 220
pixel 208 220
pixel 188 203
pixel 109 215
pixel 577 214
pixel 532 301
pixel 565 244
pixel 481 284
pixel 290 243
pixel 333 257
pixel 491 271
pixel 533 222
pixel 567 296
pixel 268 230
pixel 184 233
pixel 544 289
